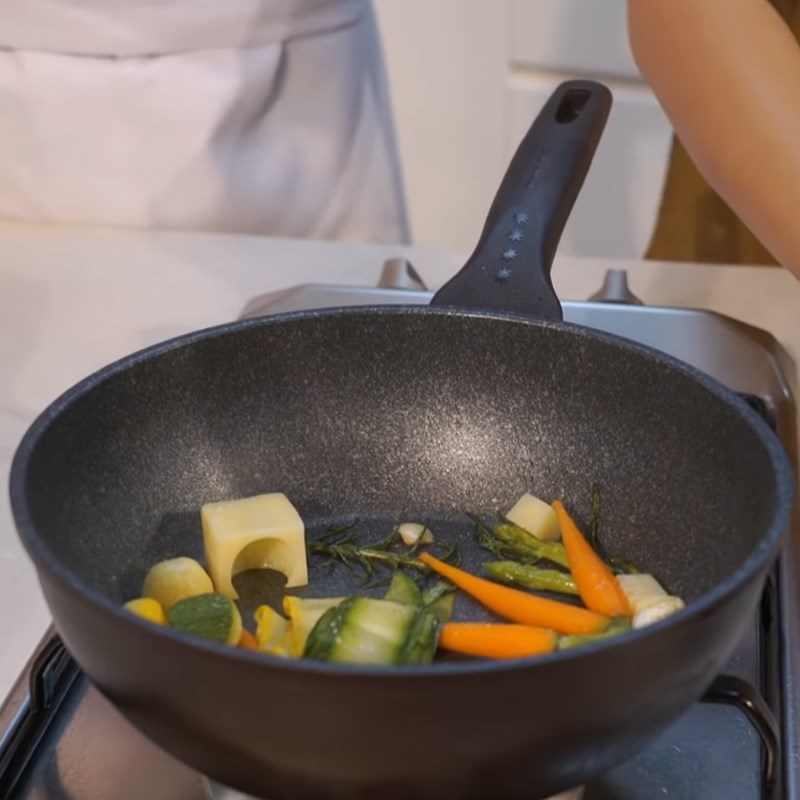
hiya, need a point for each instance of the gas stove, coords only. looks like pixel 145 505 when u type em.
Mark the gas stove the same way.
pixel 61 740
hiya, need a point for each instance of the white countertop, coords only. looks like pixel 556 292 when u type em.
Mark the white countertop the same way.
pixel 73 299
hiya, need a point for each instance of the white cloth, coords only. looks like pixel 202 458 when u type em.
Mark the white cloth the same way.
pixel 254 116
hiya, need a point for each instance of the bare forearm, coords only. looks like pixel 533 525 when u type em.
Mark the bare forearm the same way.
pixel 727 73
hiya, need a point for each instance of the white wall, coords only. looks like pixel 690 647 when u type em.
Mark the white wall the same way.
pixel 467 78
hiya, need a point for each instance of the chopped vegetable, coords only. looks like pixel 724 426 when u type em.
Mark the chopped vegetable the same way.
pixel 405 627
pixel 536 517
pixel 211 616
pixel 641 590
pixel 532 577
pixel 524 543
pixel 403 589
pixel 247 641
pixel 261 532
pixel 175 579
pixel 657 611
pixel 497 640
pixel 440 599
pixel 272 631
pixel 598 586
pixel 520 606
pixel 147 608
pixel 365 631
pixel 412 533
pixel 303 616
pixel 617 626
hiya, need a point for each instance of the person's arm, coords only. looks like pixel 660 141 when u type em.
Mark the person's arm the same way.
pixel 727 73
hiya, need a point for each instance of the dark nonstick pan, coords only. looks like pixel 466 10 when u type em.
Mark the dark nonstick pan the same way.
pixel 429 413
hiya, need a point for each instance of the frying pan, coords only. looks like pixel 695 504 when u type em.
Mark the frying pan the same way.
pixel 425 413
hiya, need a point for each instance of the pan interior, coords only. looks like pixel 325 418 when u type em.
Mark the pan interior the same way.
pixel 384 416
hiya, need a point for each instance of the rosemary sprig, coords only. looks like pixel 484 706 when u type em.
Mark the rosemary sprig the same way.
pixel 367 557
pixel 619 565
pixel 622 567
pixel 333 533
pixel 593 532
pixel 450 553
pixel 370 557
pixel 594 521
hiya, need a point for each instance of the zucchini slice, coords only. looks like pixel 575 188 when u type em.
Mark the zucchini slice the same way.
pixel 438 599
pixel 404 589
pixel 365 631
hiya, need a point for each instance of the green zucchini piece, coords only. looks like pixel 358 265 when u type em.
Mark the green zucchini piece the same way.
pixel 421 639
pixel 439 600
pixel 211 616
pixel 362 630
pixel 403 589
pixel 325 632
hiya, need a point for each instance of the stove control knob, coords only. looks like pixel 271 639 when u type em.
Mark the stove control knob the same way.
pixel 397 273
pixel 615 289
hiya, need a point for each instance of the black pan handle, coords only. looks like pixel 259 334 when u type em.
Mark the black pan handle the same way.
pixel 510 268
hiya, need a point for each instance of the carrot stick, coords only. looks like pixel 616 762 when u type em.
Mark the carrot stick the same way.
pixel 497 640
pixel 247 640
pixel 527 609
pixel 597 584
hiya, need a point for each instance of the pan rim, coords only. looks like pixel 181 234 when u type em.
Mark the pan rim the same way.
pixel 43 559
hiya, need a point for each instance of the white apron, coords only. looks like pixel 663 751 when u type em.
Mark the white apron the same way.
pixel 254 116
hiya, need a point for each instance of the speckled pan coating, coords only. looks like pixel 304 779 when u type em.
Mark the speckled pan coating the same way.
pixel 379 413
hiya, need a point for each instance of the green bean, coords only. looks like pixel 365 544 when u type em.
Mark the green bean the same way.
pixel 527 544
pixel 532 577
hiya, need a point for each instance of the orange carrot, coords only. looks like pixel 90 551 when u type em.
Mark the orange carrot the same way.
pixel 497 640
pixel 527 609
pixel 597 584
pixel 247 640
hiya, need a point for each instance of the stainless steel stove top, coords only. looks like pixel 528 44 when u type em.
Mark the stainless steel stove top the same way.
pixel 60 739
